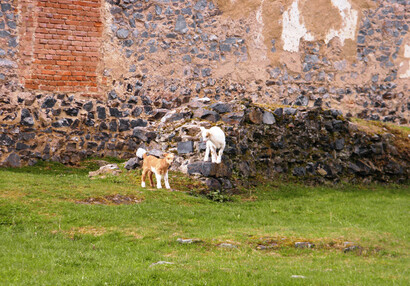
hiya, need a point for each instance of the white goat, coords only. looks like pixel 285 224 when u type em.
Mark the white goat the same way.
pixel 215 139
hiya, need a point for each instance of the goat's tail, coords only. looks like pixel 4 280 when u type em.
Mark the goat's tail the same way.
pixel 141 153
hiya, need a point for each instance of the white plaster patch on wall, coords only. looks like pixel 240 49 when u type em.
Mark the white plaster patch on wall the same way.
pixel 259 35
pixel 407 51
pixel 349 16
pixel 293 30
pixel 406 73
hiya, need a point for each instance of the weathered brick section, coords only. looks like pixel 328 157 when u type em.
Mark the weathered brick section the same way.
pixel 60 45
pixel 28 12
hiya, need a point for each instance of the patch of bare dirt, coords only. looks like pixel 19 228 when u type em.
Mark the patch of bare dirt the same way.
pixel 111 200
pixel 274 243
pixel 96 231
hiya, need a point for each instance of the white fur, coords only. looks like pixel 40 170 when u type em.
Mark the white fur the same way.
pixel 166 181
pixel 141 152
pixel 215 139
pixel 158 177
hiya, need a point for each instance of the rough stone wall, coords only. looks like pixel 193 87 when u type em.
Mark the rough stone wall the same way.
pixel 356 58
pixel 140 59
pixel 8 45
pixel 271 51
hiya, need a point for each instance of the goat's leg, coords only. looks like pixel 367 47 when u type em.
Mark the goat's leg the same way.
pixel 151 181
pixel 219 159
pixel 166 181
pixel 213 153
pixel 158 177
pixel 208 147
pixel 144 173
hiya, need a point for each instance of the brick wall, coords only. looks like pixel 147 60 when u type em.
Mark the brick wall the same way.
pixel 60 45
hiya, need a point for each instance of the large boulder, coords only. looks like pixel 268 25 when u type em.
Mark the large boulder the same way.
pixel 208 169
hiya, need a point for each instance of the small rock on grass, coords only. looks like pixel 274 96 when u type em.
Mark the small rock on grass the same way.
pixel 227 245
pixel 105 170
pixel 264 247
pixel 298 276
pixel 351 248
pixel 188 240
pixel 304 244
pixel 160 263
pixel 132 163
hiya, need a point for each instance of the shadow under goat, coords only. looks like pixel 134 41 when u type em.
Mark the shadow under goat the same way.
pixel 215 139
pixel 153 165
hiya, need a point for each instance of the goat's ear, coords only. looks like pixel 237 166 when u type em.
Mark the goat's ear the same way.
pixel 207 134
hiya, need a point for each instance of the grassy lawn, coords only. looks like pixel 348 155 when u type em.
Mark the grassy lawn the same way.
pixel 54 230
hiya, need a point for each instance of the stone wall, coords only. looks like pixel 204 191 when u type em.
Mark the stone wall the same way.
pixel 262 142
pixel 307 143
pixel 94 77
pixel 8 46
pixel 246 49
pixel 356 59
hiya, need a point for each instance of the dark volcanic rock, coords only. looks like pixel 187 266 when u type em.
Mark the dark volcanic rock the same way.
pixel 234 118
pixel 124 125
pixel 299 171
pixel 206 115
pixel 203 168
pixel 71 111
pixel 339 144
pixel 26 118
pixel 289 111
pixel 208 169
pixel 88 106
pixel 221 107
pixel 115 112
pixel 64 122
pixel 101 112
pixel 139 123
pixel 133 163
pixel 213 184
pixel 49 102
pixel 6 140
pixel 185 147
pixel 278 112
pixel 143 134
pixel 13 160
pixel 302 100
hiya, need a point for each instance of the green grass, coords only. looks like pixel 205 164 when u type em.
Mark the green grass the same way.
pixel 48 238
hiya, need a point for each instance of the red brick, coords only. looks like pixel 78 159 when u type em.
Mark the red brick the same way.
pixel 60 47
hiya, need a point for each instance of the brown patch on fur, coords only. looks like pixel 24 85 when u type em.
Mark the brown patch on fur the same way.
pixel 160 165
